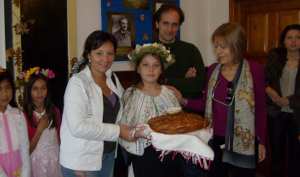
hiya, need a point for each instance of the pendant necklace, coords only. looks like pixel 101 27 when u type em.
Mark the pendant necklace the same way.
pixel 39 115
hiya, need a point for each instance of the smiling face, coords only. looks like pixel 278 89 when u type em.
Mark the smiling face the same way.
pixel 6 94
pixel 149 69
pixel 39 92
pixel 292 40
pixel 222 51
pixel 168 26
pixel 101 58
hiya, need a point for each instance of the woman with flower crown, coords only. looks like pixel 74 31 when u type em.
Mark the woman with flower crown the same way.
pixel 145 99
pixel 43 119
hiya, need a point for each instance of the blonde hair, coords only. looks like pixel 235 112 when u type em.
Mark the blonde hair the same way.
pixel 234 36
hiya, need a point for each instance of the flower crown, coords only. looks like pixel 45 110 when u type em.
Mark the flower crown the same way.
pixel 25 75
pixel 155 48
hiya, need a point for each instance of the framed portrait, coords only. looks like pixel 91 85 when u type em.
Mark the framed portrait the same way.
pixel 136 4
pixel 158 3
pixel 121 25
pixel 131 22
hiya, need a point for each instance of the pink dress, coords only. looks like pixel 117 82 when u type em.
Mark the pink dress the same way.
pixel 11 169
pixel 44 158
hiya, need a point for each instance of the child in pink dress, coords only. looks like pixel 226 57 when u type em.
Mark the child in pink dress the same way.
pixel 14 145
pixel 43 120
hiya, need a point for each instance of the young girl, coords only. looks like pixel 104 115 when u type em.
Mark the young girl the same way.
pixel 146 99
pixel 14 145
pixel 43 120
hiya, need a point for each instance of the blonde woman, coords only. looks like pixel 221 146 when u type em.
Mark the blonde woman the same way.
pixel 234 101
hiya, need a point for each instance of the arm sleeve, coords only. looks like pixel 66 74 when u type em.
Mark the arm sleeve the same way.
pixel 80 119
pixel 268 70
pixel 294 101
pixel 57 122
pixel 31 129
pixel 272 67
pixel 24 147
pixel 198 104
pixel 260 103
pixel 191 86
pixel 2 173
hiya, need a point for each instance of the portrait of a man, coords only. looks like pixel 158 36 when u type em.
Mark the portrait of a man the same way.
pixel 122 31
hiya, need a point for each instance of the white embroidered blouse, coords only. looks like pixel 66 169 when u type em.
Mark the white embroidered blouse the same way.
pixel 139 108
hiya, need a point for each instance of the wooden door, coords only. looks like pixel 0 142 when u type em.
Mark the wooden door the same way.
pixel 46 43
pixel 263 21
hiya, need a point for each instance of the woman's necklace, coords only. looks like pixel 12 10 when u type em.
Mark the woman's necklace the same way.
pixel 39 115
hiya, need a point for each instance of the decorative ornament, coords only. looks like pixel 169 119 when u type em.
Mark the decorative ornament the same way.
pixel 23 26
pixel 145 37
pixel 24 76
pixel 156 49
pixel 142 17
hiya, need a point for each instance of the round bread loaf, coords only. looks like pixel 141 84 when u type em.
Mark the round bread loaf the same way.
pixel 177 123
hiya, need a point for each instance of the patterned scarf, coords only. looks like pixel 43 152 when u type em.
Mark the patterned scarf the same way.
pixel 240 132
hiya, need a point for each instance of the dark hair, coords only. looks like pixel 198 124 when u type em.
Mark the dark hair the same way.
pixel 285 31
pixel 234 36
pixel 281 51
pixel 95 40
pixel 138 78
pixel 166 8
pixel 6 76
pixel 122 18
pixel 28 105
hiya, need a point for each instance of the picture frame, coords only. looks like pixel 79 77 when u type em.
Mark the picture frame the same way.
pixel 136 4
pixel 140 18
pixel 158 3
pixel 122 26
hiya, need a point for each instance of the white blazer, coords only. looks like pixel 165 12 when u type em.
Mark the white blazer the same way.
pixel 82 131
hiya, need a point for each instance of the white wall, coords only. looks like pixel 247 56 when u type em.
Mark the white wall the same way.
pixel 202 17
pixel 2 36
pixel 88 20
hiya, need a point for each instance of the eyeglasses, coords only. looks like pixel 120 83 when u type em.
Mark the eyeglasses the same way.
pixel 229 97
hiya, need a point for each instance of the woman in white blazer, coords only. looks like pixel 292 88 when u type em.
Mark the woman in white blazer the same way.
pixel 91 107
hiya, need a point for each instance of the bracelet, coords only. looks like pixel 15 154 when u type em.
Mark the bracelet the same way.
pixel 184 102
pixel 132 133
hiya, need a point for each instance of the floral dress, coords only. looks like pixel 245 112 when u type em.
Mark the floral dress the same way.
pixel 45 157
